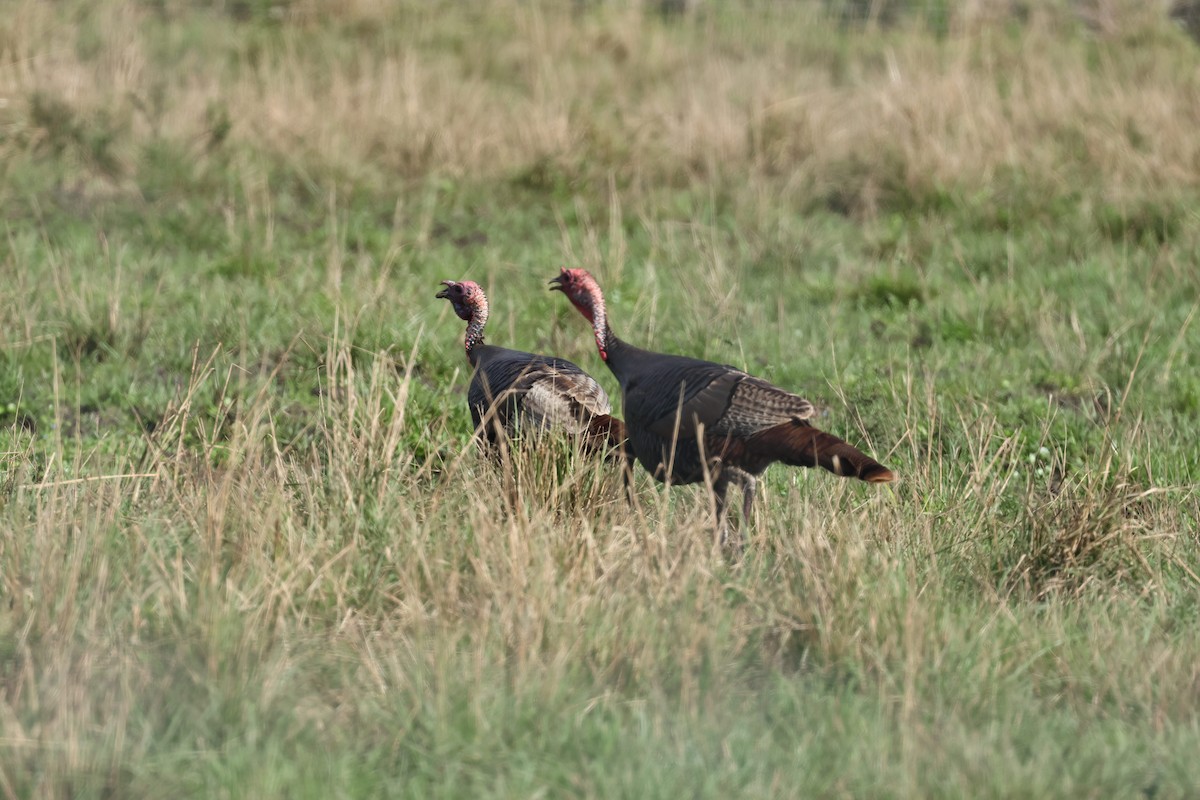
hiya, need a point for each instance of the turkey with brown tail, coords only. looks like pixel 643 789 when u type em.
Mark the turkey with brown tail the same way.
pixel 687 418
pixel 512 389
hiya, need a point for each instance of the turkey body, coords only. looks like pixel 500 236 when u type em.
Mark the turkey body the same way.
pixel 513 390
pixel 687 418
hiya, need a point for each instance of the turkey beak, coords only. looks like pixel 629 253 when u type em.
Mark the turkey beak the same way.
pixel 445 293
pixel 556 284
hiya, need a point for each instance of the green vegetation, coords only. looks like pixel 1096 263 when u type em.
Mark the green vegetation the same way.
pixel 247 548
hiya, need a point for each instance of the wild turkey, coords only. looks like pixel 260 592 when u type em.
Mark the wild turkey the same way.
pixel 720 419
pixel 512 389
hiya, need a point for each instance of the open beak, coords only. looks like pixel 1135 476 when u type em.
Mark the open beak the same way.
pixel 445 293
pixel 556 284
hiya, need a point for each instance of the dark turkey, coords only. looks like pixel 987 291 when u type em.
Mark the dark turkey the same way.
pixel 512 390
pixel 686 418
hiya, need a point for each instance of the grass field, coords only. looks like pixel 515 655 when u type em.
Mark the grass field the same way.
pixel 247 548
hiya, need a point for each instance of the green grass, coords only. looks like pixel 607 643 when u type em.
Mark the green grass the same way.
pixel 248 549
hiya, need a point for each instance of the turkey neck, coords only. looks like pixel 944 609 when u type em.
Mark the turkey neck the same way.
pixel 617 354
pixel 473 340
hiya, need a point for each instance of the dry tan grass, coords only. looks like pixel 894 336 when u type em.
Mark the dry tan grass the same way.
pixel 407 92
pixel 346 584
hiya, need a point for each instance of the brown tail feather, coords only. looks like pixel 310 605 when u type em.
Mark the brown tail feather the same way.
pixel 802 445
pixel 606 433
